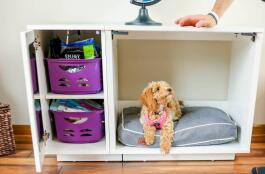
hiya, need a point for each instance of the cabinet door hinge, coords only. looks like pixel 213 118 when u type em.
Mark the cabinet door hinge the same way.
pixel 36 42
pixel 252 35
pixel 114 32
pixel 45 137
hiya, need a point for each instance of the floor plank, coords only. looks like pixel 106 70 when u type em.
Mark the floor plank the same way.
pixel 258 138
pixel 21 154
pixel 28 170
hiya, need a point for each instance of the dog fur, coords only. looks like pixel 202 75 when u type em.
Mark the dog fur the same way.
pixel 155 97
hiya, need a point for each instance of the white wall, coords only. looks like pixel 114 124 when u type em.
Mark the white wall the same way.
pixel 182 69
pixel 16 14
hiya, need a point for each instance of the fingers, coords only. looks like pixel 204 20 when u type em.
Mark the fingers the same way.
pixel 177 21
pixel 181 20
pixel 189 20
pixel 196 21
pixel 202 23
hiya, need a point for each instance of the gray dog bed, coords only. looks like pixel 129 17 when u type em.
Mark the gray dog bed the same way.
pixel 199 126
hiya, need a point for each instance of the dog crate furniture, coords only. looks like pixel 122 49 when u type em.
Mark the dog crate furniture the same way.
pixel 216 67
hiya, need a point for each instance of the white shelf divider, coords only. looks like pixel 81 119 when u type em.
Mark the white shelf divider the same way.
pixel 57 147
pixel 37 96
pixel 69 96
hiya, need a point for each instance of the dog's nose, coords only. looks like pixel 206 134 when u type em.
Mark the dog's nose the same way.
pixel 169 89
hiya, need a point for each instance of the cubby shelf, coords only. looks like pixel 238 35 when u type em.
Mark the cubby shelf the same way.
pixel 37 96
pixel 66 96
pixel 69 96
pixel 57 147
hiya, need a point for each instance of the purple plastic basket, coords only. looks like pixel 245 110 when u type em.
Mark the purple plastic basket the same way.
pixel 39 124
pixel 75 76
pixel 89 131
pixel 34 75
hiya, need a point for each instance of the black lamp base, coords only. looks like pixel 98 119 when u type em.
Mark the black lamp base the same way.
pixel 143 18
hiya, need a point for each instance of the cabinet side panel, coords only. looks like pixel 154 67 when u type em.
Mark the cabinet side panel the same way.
pixel 26 39
pixel 244 71
pixel 112 87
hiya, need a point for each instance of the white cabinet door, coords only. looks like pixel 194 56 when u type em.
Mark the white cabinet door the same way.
pixel 38 145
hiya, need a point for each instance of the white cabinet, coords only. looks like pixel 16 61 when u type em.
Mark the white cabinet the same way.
pixel 207 67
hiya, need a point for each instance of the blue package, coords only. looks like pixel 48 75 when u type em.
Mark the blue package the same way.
pixel 93 104
pixel 89 41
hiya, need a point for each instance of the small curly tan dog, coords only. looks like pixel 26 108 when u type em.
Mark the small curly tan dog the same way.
pixel 159 109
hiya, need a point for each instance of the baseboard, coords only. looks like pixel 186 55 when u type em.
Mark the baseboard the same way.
pixel 258 134
pixel 259 129
pixel 22 129
pixel 23 134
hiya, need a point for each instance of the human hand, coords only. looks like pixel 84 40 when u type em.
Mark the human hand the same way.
pixel 197 21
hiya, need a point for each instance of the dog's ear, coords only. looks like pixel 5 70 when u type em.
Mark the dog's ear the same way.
pixel 172 103
pixel 145 95
pixel 181 103
pixel 148 100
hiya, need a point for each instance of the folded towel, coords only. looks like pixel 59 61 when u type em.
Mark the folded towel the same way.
pixel 63 105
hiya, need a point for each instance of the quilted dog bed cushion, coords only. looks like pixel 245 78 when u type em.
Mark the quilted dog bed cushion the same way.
pixel 199 126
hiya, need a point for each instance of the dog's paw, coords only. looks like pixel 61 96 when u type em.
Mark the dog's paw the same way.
pixel 165 151
pixel 149 141
pixel 141 141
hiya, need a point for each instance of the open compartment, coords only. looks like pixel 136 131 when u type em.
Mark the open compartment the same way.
pixel 51 145
pixel 73 60
pixel 72 130
pixel 216 69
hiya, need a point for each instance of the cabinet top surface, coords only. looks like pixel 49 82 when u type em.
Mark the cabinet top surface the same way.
pixel 168 28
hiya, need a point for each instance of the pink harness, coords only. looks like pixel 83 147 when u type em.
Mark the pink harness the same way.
pixel 158 123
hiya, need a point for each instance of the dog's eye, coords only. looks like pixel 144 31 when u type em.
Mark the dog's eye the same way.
pixel 157 89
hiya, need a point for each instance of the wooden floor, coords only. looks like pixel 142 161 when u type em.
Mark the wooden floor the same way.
pixel 23 163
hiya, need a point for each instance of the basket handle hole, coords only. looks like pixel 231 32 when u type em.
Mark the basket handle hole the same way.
pixel 72 68
pixel 76 120
pixel 64 79
pixel 69 135
pixel 85 130
pixel 83 85
pixel 86 135
pixel 82 80
pixel 68 130
pixel 65 84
